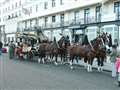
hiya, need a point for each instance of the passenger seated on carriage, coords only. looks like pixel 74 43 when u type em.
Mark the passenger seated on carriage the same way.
pixel 24 48
pixel 18 52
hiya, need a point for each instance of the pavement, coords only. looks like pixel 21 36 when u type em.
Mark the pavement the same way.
pixel 24 75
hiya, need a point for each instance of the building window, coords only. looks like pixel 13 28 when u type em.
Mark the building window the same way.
pixel 46 20
pixel 30 9
pixel 86 15
pixel 19 13
pixel 16 14
pixel 5 9
pixel 12 15
pixel 45 5
pixel 117 9
pixel 61 2
pixel 8 8
pixel 76 16
pixel 36 8
pixel 8 39
pixel 25 24
pixel 13 39
pixel 53 18
pixel 53 3
pixel 19 3
pixel 98 13
pixel 12 6
pixel 36 21
pixel 16 4
pixel 62 19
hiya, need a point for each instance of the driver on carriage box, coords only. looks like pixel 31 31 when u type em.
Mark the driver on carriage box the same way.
pixel 67 40
pixel 85 40
pixel 55 42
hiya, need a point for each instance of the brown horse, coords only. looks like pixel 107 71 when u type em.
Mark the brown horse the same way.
pixel 59 49
pixel 52 50
pixel 103 50
pixel 88 52
pixel 42 52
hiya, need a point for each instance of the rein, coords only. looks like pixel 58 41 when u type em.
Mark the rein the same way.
pixel 92 47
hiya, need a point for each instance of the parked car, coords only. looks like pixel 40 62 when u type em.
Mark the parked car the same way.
pixel 4 50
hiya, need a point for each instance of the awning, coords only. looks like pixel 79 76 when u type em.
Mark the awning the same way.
pixel 78 27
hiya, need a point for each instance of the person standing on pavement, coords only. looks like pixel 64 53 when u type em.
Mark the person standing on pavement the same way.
pixel 113 56
pixel 11 50
pixel 117 64
pixel 1 47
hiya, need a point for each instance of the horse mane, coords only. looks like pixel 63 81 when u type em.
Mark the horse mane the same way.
pixel 61 41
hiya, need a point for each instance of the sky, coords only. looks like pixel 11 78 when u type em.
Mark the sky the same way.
pixel 2 1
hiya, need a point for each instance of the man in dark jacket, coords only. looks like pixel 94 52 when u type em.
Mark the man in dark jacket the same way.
pixel 1 47
pixel 67 41
pixel 85 40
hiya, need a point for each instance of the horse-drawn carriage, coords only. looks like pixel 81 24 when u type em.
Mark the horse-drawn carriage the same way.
pixel 88 50
pixel 27 44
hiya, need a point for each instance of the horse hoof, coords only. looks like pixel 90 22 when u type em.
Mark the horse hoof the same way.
pixel 38 60
pixel 101 69
pixel 56 63
pixel 71 68
pixel 85 67
pixel 43 62
pixel 88 71
pixel 71 63
pixel 62 63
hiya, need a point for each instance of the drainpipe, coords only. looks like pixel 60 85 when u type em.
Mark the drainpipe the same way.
pixel 0 34
pixel 118 33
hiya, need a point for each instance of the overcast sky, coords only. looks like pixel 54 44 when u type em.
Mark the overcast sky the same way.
pixel 2 1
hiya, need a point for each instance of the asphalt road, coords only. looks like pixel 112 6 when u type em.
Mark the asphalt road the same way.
pixel 24 75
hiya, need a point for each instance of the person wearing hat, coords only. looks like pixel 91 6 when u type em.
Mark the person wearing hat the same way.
pixel 85 40
pixel 113 56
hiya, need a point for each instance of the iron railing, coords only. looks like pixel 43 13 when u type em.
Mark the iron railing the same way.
pixel 69 23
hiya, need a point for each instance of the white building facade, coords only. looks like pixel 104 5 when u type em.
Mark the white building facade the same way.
pixel 54 17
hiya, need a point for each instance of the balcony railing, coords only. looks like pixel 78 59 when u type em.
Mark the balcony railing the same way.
pixel 117 15
pixel 89 20
pixel 73 22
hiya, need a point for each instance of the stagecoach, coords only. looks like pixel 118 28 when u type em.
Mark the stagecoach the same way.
pixel 29 42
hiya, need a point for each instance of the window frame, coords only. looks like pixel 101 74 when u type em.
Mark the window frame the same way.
pixel 53 19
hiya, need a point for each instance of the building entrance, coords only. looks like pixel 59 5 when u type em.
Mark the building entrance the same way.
pixel 77 36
